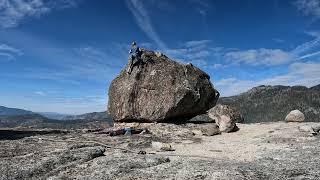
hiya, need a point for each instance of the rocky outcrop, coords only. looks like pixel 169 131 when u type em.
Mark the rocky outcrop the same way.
pixel 260 151
pixel 225 117
pixel 295 116
pixel 160 89
pixel 272 103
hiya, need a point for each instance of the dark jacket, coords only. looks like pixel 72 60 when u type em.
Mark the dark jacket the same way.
pixel 135 51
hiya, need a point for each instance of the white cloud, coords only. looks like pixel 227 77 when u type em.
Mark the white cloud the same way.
pixel 306 47
pixel 200 53
pixel 310 55
pixel 143 20
pixel 196 43
pixel 201 6
pixel 217 66
pixel 95 58
pixel 194 52
pixel 273 57
pixel 146 45
pixel 309 7
pixel 259 56
pixel 40 93
pixel 9 52
pixel 13 12
pixel 315 34
pixel 5 47
pixel 233 86
pixel 306 74
pixel 73 66
pixel 7 56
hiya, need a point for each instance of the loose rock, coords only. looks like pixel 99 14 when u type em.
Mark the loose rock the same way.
pixel 225 117
pixel 295 116
pixel 210 129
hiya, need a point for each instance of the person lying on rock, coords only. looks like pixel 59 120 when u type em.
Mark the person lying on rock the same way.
pixel 134 57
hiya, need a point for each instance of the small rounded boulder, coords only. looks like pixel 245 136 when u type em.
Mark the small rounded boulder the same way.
pixel 295 116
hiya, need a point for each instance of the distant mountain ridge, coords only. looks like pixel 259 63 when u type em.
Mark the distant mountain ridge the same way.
pixel 19 118
pixel 317 87
pixel 93 115
pixel 38 122
pixel 5 111
pixel 273 103
pixel 54 115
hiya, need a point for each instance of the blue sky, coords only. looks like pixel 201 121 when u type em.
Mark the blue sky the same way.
pixel 61 55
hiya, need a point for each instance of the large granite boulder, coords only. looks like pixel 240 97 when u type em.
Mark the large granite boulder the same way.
pixel 225 117
pixel 160 89
pixel 295 116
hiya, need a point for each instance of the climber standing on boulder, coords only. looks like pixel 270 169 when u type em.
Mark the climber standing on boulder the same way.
pixel 134 56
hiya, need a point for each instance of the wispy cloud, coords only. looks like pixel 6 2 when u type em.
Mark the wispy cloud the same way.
pixel 196 43
pixel 310 55
pixel 259 56
pixel 143 20
pixel 86 62
pixel 64 100
pixel 309 7
pixel 218 66
pixel 40 93
pixel 272 57
pixel 195 51
pixel 306 47
pixel 13 12
pixel 96 57
pixel 315 34
pixel 201 6
pixel 9 52
pixel 306 74
pixel 203 54
pixel 277 40
pixel 73 65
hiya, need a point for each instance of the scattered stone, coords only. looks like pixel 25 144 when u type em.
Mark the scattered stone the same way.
pixel 166 147
pixel 295 116
pixel 142 152
pixel 306 128
pixel 160 90
pixel 225 117
pixel 156 145
pixel 197 132
pixel 168 130
pixel 158 54
pixel 159 146
pixel 254 153
pixel 316 128
pixel 210 129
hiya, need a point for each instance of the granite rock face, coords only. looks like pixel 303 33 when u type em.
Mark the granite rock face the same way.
pixel 160 89
pixel 275 150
